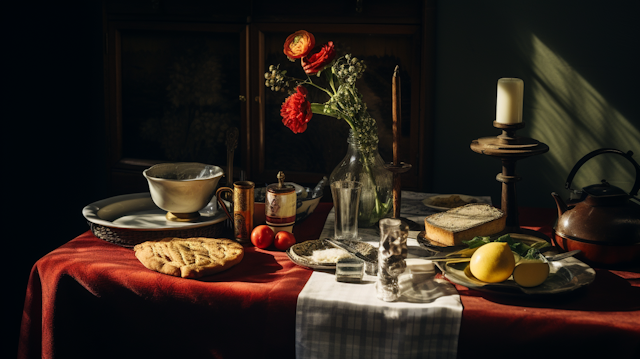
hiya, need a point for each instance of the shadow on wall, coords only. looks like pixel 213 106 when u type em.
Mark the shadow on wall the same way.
pixel 573 118
pixel 578 61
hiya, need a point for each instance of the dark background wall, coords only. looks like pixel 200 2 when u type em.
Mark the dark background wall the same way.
pixel 578 60
pixel 579 63
pixel 52 134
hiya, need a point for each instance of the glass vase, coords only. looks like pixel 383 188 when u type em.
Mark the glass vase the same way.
pixel 366 167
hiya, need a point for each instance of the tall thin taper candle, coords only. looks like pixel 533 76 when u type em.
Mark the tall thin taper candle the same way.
pixel 395 109
pixel 397 167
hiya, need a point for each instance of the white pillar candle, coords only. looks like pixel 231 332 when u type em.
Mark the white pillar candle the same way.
pixel 509 103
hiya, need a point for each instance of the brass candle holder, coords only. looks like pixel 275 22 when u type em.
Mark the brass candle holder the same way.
pixel 510 148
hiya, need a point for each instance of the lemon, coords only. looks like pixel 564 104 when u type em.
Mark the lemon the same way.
pixel 530 272
pixel 493 262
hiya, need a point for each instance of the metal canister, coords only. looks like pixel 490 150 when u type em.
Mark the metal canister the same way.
pixel 280 206
pixel 242 200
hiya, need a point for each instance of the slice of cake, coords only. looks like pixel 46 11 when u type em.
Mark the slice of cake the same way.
pixel 463 223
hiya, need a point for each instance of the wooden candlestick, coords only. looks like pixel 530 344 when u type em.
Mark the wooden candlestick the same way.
pixel 509 148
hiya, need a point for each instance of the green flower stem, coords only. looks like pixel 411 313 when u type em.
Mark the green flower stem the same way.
pixel 310 82
pixel 329 75
pixel 379 206
pixel 319 109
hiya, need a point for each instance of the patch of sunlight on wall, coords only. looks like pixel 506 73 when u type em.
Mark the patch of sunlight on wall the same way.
pixel 572 118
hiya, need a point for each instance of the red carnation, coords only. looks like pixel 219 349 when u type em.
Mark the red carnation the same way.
pixel 296 111
pixel 319 60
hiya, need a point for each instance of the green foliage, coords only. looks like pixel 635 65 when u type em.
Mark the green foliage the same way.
pixel 526 251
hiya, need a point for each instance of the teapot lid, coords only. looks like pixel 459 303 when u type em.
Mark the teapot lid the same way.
pixel 604 189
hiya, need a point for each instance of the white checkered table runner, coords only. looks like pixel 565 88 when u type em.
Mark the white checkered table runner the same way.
pixel 347 320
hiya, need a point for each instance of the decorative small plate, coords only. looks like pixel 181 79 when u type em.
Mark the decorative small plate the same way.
pixel 565 275
pixel 444 202
pixel 301 253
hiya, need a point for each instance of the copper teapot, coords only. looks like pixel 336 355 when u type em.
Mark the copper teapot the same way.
pixel 604 223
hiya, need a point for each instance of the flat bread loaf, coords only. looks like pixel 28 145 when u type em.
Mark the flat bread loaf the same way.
pixel 463 223
pixel 189 257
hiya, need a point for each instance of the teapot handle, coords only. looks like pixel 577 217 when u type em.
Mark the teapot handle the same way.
pixel 628 155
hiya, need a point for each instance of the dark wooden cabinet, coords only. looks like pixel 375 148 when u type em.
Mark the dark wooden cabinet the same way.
pixel 173 91
pixel 180 73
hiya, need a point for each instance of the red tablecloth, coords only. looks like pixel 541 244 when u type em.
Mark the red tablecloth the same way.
pixel 93 299
pixel 600 320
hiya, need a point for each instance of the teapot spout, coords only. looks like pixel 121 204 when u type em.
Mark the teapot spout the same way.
pixel 562 207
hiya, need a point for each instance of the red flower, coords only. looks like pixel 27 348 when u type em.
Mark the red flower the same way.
pixel 319 60
pixel 296 111
pixel 299 44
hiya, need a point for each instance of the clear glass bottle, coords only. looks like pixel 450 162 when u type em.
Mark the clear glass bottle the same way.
pixel 392 253
pixel 376 180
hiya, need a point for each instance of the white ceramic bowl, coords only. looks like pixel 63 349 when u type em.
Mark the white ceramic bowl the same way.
pixel 306 206
pixel 185 187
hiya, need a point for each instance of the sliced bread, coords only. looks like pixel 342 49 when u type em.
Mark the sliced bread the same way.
pixel 463 223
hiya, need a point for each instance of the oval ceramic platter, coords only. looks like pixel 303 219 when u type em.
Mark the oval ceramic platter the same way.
pixel 301 253
pixel 425 242
pixel 445 202
pixel 565 275
pixel 131 219
pixel 138 212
